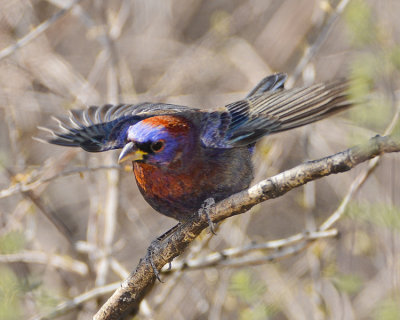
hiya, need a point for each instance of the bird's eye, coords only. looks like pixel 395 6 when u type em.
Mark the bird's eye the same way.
pixel 157 146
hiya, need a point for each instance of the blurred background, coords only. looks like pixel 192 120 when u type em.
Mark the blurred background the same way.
pixel 71 222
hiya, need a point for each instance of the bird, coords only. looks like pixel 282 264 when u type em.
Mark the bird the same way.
pixel 183 156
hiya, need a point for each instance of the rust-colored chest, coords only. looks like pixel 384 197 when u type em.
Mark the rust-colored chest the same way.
pixel 180 192
pixel 173 194
pixel 161 183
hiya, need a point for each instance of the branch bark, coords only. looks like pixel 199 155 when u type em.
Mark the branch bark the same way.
pixel 138 284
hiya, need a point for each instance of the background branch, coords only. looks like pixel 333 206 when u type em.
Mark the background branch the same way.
pixel 38 30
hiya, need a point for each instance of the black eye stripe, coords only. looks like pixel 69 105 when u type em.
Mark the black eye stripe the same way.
pixel 150 147
pixel 144 146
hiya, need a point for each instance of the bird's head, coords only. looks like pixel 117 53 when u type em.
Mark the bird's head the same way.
pixel 159 140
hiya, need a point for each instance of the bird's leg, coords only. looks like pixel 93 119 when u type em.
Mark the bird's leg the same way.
pixel 205 209
pixel 154 245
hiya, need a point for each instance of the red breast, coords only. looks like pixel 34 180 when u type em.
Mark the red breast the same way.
pixel 162 184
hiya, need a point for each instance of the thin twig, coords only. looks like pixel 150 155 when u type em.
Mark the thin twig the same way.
pixel 360 179
pixel 65 263
pixel 37 31
pixel 310 52
pixel 69 305
pixel 226 257
pixel 23 187
pixel 111 203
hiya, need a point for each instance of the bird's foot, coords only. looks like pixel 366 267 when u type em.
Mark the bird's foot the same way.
pixel 205 209
pixel 155 245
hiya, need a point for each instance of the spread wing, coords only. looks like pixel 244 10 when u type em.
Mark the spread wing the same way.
pixel 270 109
pixel 267 109
pixel 98 129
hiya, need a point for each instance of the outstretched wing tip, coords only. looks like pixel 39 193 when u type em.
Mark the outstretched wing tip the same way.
pixel 80 129
pixel 101 128
pixel 53 139
pixel 41 140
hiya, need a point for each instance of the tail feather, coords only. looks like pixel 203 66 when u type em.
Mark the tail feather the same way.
pixel 275 111
pixel 315 105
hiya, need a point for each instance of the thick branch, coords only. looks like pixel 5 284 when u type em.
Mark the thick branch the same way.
pixel 135 287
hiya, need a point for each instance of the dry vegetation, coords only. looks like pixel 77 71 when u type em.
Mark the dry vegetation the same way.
pixel 73 224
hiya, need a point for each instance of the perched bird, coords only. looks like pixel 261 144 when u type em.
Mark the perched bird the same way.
pixel 182 156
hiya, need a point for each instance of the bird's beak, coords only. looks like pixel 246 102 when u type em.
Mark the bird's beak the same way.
pixel 130 152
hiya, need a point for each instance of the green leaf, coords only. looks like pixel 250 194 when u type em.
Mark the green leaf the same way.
pixel 10 292
pixel 360 22
pixel 380 214
pixel 388 310
pixel 349 283
pixel 259 312
pixel 245 287
pixel 394 57
pixel 12 242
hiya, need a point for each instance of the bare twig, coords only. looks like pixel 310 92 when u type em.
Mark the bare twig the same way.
pixel 65 263
pixel 227 257
pixel 47 212
pixel 66 306
pixel 37 31
pixel 360 179
pixel 23 187
pixel 312 49
pixel 111 203
pixel 211 259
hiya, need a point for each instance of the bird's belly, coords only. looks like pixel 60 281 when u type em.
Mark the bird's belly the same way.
pixel 177 195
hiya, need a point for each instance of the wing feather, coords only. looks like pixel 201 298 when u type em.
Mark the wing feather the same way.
pixel 267 109
pixel 98 129
pixel 270 111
